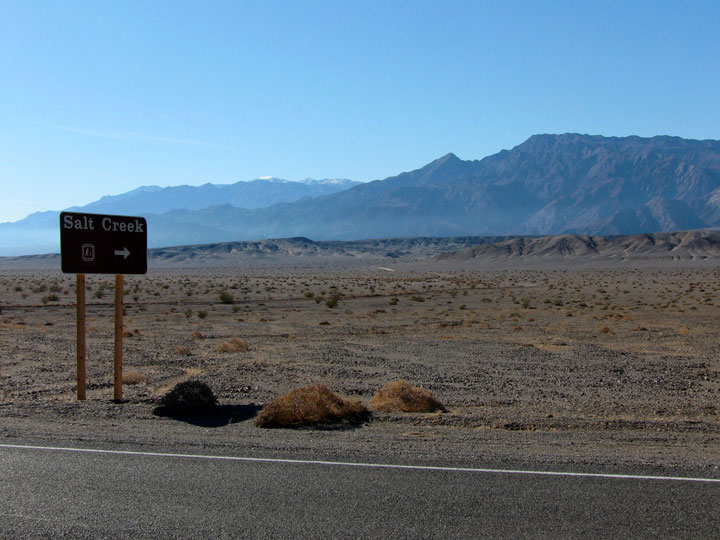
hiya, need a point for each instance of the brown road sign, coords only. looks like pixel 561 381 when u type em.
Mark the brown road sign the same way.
pixel 100 244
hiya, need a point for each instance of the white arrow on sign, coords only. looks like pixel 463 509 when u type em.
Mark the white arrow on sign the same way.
pixel 124 252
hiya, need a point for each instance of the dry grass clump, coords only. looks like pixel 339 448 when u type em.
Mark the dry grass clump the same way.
pixel 234 345
pixel 311 405
pixel 182 350
pixel 399 396
pixel 133 377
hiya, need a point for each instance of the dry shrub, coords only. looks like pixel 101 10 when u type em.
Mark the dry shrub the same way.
pixel 187 398
pixel 234 345
pixel 311 405
pixel 376 331
pixel 399 396
pixel 182 350
pixel 133 377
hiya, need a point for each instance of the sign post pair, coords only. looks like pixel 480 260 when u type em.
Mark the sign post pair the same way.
pixel 101 244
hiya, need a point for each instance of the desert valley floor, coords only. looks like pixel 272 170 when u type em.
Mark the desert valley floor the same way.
pixel 611 367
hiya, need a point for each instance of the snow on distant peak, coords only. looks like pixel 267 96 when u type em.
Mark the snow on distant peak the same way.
pixel 273 179
pixel 336 181
pixel 308 181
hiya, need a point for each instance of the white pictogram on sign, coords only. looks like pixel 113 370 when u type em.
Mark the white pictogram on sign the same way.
pixel 88 252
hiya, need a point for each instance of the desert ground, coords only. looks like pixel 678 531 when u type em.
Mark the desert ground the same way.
pixel 605 368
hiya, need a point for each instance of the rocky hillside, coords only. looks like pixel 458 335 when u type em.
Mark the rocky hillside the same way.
pixel 694 247
pixel 659 247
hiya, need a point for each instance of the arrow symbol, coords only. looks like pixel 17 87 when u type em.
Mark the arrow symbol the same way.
pixel 124 252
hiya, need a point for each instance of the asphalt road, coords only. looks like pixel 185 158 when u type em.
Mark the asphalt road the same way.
pixel 65 494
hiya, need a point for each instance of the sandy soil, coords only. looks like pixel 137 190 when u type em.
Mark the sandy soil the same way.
pixel 606 368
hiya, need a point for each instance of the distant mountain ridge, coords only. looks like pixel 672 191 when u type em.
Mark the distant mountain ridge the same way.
pixel 40 229
pixel 256 193
pixel 688 248
pixel 548 185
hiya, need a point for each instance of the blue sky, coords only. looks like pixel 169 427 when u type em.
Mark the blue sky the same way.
pixel 99 98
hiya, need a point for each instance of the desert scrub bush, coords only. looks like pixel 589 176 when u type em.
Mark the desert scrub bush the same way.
pixel 133 377
pixel 333 299
pixel 181 350
pixel 399 396
pixel 226 298
pixel 234 345
pixel 202 314
pixel 417 298
pixel 186 398
pixel 311 405
pixel 394 300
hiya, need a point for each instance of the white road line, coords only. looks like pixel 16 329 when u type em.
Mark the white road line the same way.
pixel 385 268
pixel 365 465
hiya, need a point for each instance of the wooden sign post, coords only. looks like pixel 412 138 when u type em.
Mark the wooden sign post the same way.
pixel 80 294
pixel 100 244
pixel 117 386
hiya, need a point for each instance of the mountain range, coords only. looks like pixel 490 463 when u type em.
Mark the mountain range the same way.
pixel 38 233
pixel 258 193
pixel 548 185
